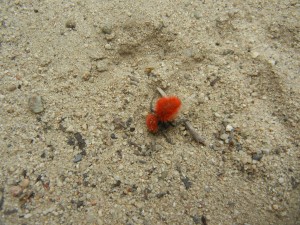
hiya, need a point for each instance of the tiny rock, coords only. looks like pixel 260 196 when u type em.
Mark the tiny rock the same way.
pixel 275 207
pixel 224 137
pixel 108 47
pixel 71 24
pixel 102 66
pixel 254 55
pixel 77 158
pixel 257 156
pixel 15 191
pixel 107 29
pixel 26 216
pixel 217 115
pixel 229 128
pixel 281 180
pixel 12 87
pixel 86 76
pixel 36 104
pixel 197 15
pixel 24 184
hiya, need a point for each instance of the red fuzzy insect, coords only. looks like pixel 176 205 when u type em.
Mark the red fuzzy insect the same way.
pixel 166 110
pixel 152 122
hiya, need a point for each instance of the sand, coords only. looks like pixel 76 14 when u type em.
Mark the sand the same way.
pixel 76 82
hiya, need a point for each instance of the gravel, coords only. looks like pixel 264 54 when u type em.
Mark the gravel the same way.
pixel 35 103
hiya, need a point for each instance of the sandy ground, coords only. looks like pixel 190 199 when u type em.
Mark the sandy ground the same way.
pixel 76 82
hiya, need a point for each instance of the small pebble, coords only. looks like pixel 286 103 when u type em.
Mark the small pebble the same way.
pixel 15 190
pixel 266 151
pixel 10 110
pixel 254 94
pixel 113 136
pixel 71 24
pixel 86 76
pixel 197 15
pixel 36 104
pixel 108 46
pixel 70 129
pixel 12 87
pixel 107 29
pixel 24 184
pixel 275 207
pixel 229 128
pixel 257 156
pixel 26 216
pixel 272 62
pixel 110 37
pixel 224 136
pixel 77 158
pixel 217 115
pixel 284 213
pixel 254 55
pixel 281 180
pixel 102 65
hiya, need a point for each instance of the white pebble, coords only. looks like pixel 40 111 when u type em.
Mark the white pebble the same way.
pixel 281 180
pixel 108 47
pixel 224 136
pixel 217 115
pixel 254 55
pixel 229 128
pixel 275 207
pixel 26 216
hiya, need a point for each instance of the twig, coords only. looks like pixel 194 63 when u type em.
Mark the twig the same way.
pixel 161 92
pixel 194 133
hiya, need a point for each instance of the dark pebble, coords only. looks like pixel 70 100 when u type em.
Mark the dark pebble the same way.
pixel 162 194
pixel 80 203
pixel 257 156
pixel 71 24
pixel 117 184
pixel 71 141
pixel 113 136
pixel 129 121
pixel 187 183
pixel 43 155
pixel 80 140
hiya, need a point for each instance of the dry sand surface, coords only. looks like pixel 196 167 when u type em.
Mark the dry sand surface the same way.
pixel 76 82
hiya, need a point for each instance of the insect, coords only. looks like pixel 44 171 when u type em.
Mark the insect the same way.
pixel 166 110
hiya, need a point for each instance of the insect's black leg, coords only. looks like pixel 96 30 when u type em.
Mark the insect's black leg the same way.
pixel 167 138
pixel 151 104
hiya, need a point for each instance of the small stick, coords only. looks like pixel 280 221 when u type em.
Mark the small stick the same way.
pixel 161 92
pixel 194 133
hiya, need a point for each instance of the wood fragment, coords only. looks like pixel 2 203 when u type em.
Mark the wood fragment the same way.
pixel 194 133
pixel 161 92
